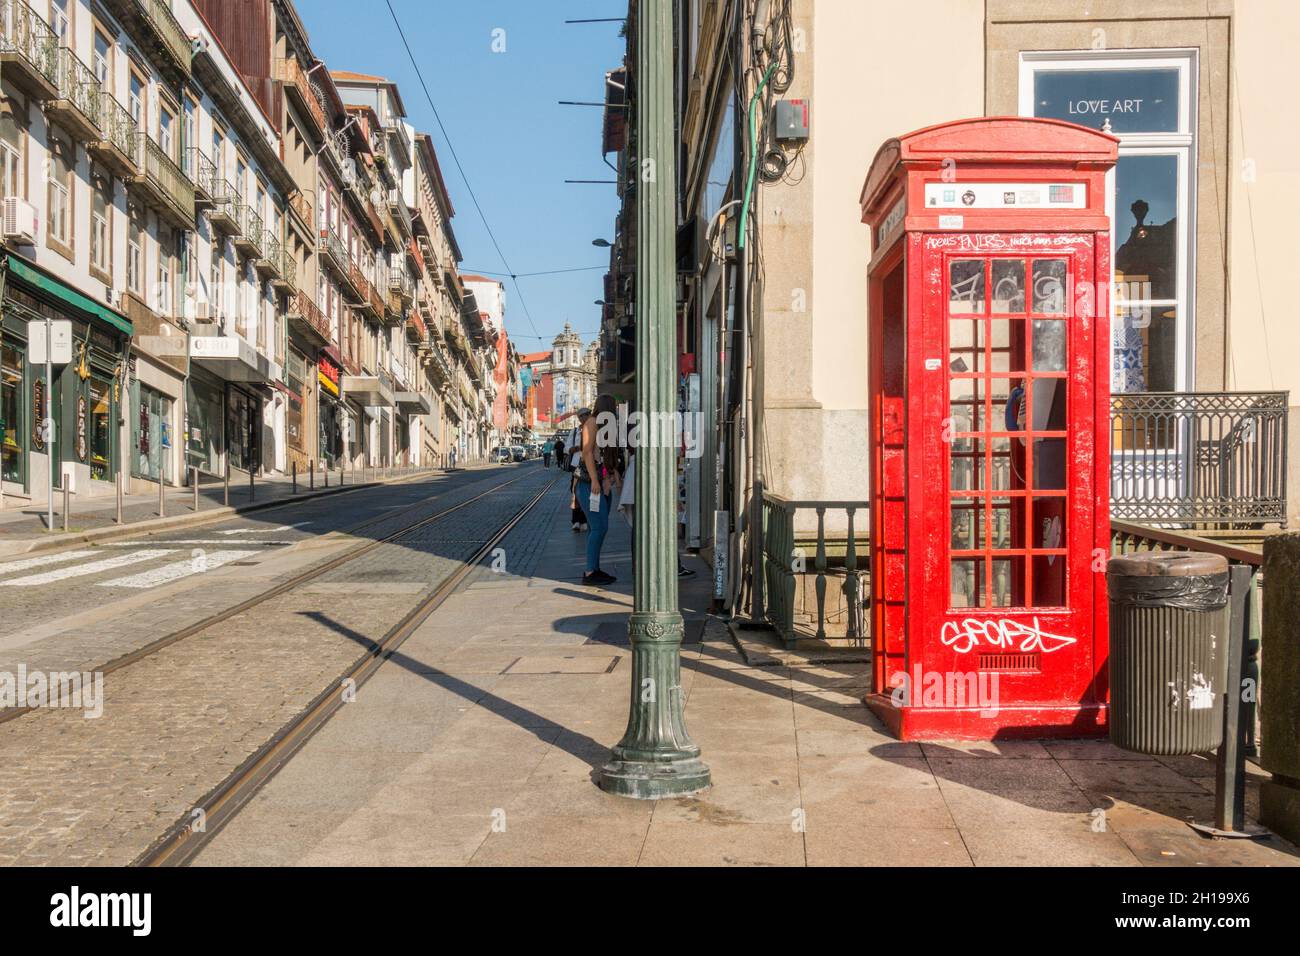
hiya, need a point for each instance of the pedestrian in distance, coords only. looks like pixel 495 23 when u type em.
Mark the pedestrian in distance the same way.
pixel 572 456
pixel 559 453
pixel 546 454
pixel 599 480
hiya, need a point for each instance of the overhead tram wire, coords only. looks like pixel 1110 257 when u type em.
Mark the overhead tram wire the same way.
pixel 459 168
pixel 529 275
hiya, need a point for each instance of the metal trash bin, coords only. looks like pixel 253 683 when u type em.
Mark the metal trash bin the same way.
pixel 1168 651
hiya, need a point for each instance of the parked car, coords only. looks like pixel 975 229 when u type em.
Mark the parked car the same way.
pixel 518 452
pixel 501 455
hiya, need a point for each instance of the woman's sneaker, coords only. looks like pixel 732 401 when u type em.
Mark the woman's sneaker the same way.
pixel 598 578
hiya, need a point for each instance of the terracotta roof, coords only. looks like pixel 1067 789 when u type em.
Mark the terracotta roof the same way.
pixel 532 357
pixel 473 278
pixel 362 77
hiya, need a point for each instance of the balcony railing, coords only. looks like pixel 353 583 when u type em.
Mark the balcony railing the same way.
pixel 158 27
pixel 248 236
pixel 202 171
pixel 400 282
pixel 290 72
pixel 31 46
pixel 272 260
pixel 173 190
pixel 78 102
pixel 1199 457
pixel 308 319
pixel 119 147
pixel 791 609
pixel 300 203
pixel 397 204
pixel 329 243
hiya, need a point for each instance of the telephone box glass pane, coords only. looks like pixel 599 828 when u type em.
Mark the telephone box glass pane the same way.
pixel 1003 474
pixel 1049 463
pixel 1049 521
pixel 966 286
pixel 966 588
pixel 1048 345
pixel 1007 415
pixel 1008 285
pixel 1008 580
pixel 1049 286
pixel 1002 522
pixel 966 339
pixel 1008 345
pixel 966 405
pixel 1049 404
pixel 1049 580
pixel 967 464
pixel 968 524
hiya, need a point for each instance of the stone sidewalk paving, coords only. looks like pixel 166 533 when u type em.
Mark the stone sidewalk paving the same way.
pixel 477 744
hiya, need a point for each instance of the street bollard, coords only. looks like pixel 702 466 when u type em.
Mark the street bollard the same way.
pixel 66 499
pixel 311 473
pixel 250 482
pixel 162 503
pixel 295 478
pixel 194 480
pixel 225 492
pixel 117 490
pixel 327 476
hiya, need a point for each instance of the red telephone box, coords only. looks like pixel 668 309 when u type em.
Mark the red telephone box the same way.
pixel 990 385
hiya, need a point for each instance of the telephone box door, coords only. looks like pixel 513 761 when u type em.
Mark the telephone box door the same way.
pixel 1010 414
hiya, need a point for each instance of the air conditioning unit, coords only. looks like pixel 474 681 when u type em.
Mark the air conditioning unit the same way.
pixel 198 45
pixel 21 221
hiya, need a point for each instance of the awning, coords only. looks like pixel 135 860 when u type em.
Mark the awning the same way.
pixel 66 294
pixel 231 358
pixel 413 403
pixel 368 391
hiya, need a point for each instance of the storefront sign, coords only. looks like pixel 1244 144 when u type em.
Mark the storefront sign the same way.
pixel 38 414
pixel 81 427
pixel 328 374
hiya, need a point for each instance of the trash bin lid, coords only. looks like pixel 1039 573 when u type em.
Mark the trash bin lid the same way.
pixel 1167 564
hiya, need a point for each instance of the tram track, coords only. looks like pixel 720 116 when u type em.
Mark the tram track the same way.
pixel 303 577
pixel 184 840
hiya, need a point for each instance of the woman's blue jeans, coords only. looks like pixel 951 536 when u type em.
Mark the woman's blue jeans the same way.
pixel 597 523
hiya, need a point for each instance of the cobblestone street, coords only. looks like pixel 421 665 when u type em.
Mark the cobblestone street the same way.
pixel 175 723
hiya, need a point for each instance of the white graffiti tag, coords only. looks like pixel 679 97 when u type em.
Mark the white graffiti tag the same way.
pixel 973 632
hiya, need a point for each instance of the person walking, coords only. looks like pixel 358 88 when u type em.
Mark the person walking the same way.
pixel 599 476
pixel 558 444
pixel 546 454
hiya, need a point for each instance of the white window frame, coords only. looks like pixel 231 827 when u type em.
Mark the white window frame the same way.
pixel 1181 144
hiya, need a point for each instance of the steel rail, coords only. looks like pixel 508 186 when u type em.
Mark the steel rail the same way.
pixel 311 573
pixel 183 840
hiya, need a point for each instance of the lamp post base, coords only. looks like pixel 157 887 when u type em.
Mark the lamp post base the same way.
pixel 653 780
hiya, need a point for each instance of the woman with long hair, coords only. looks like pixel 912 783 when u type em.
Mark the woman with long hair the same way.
pixel 599 474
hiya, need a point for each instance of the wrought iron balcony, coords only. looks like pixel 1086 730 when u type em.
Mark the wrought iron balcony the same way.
pixel 400 283
pixel 248 236
pixel 296 82
pixel 401 214
pixel 332 253
pixel 119 143
pixel 170 191
pixel 1199 457
pixel 77 104
pixel 224 201
pixel 300 204
pixel 306 318
pixel 29 50
pixel 269 262
pixel 154 25
pixel 203 172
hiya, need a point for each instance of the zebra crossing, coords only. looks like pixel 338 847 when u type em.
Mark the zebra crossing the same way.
pixel 185 560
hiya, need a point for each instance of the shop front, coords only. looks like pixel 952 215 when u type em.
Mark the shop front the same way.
pixel 237 382
pixel 84 400
pixel 205 423
pixel 330 413
pixel 157 369
pixel 298 421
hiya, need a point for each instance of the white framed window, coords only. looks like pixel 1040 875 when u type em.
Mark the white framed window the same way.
pixel 61 20
pixel 103 59
pixel 1148 99
pixel 216 281
pixel 136 96
pixel 135 251
pixel 12 136
pixel 59 217
pixel 101 233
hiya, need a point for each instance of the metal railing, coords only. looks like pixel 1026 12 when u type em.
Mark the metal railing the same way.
pixel 304 310
pixel 203 172
pixel 119 126
pixel 290 72
pixel 162 171
pixel 329 243
pixel 78 85
pixel 300 203
pixel 400 282
pixel 1199 457
pixel 159 15
pixel 25 34
pixel 785 562
pixel 251 228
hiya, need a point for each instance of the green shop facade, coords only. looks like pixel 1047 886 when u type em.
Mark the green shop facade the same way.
pixel 85 397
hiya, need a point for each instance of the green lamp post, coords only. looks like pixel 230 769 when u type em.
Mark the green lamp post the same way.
pixel 656 757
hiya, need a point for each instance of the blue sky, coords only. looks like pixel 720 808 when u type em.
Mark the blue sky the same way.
pixel 517 145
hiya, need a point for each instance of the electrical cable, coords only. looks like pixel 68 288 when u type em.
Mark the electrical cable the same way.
pixel 461 169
